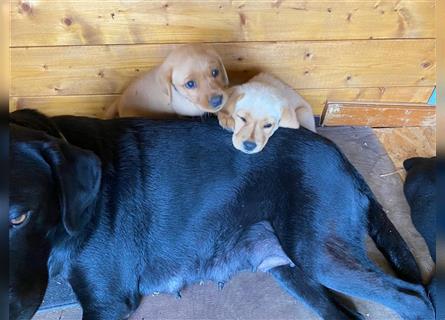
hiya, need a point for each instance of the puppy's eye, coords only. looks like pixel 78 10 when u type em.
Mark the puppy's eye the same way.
pixel 19 220
pixel 190 84
pixel 242 119
pixel 267 125
pixel 215 73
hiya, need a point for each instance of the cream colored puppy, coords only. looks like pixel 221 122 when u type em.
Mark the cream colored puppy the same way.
pixel 190 82
pixel 259 107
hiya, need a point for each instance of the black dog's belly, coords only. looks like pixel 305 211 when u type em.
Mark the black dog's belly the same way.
pixel 255 248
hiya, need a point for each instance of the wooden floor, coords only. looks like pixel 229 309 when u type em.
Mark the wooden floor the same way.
pixel 404 143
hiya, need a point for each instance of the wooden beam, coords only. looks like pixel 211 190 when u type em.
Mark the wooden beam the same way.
pixel 94 105
pixel 77 22
pixel 84 70
pixel 378 115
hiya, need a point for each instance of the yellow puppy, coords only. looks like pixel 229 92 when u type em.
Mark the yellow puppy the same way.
pixel 257 108
pixel 190 82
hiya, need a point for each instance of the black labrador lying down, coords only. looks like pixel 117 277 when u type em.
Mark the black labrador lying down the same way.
pixel 155 206
pixel 420 192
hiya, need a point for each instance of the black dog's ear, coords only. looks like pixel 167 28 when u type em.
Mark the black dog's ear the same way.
pixel 78 175
pixel 411 162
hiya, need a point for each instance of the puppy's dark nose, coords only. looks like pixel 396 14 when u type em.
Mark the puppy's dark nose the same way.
pixel 249 145
pixel 216 101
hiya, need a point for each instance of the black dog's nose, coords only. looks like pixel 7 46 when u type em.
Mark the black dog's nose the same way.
pixel 249 145
pixel 216 101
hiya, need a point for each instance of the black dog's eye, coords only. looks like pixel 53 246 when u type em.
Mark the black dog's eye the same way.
pixel 267 125
pixel 215 73
pixel 190 84
pixel 19 220
pixel 242 119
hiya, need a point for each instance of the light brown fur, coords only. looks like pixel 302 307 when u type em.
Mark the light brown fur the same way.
pixel 161 92
pixel 256 109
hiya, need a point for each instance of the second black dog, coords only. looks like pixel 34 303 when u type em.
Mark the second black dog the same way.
pixel 420 192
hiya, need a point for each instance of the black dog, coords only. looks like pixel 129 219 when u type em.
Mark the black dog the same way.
pixel 155 206
pixel 420 192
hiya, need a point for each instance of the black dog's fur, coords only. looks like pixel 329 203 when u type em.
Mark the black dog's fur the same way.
pixel 178 204
pixel 420 192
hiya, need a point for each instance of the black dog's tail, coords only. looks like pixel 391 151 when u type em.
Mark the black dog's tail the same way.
pixel 389 241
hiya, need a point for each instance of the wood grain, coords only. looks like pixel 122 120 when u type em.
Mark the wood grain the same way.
pixel 378 114
pixel 94 105
pixel 326 64
pixel 408 142
pixel 77 22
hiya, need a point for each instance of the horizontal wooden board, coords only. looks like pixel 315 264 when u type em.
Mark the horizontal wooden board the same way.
pixel 95 105
pixel 326 64
pixel 378 115
pixel 75 22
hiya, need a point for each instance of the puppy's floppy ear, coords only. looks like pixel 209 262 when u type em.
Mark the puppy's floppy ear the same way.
pixel 235 95
pixel 78 174
pixel 164 78
pixel 225 114
pixel 289 118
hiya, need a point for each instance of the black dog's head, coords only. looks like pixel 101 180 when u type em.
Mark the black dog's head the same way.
pixel 421 176
pixel 51 184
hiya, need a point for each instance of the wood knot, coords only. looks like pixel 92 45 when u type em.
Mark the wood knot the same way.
pixel 308 55
pixel 165 6
pixel 240 59
pixel 348 78
pixel 426 64
pixel 306 73
pixel 277 4
pixel 242 18
pixel 26 7
pixel 101 74
pixel 45 67
pixel 67 21
pixel 112 15
pixel 137 70
pixel 329 10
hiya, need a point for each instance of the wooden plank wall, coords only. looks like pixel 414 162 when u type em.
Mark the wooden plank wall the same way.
pixel 76 56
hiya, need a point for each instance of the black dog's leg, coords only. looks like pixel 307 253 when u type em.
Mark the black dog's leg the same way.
pixel 300 286
pixel 361 278
pixel 389 241
pixel 101 298
pixel 96 309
